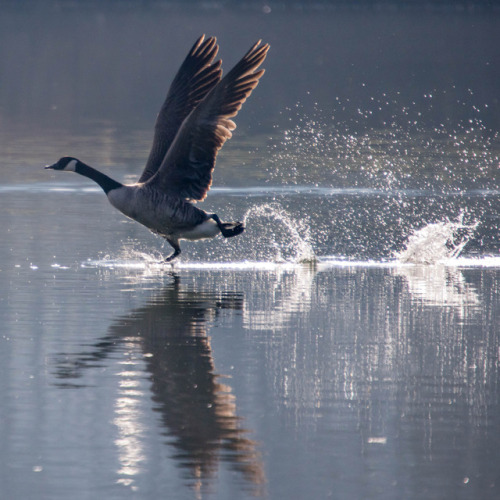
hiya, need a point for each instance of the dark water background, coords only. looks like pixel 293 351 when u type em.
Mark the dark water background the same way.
pixel 346 346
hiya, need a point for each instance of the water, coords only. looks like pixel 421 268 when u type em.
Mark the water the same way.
pixel 438 242
pixel 345 346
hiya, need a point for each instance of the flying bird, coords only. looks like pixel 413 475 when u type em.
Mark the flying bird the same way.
pixel 192 125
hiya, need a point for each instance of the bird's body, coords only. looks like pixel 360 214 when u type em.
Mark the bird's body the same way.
pixel 191 127
pixel 169 216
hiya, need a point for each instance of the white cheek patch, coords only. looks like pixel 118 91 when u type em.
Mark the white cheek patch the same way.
pixel 71 166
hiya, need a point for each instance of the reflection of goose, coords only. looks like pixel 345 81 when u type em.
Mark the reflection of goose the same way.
pixel 193 124
pixel 197 410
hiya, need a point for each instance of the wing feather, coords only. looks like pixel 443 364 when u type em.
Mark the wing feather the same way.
pixel 187 168
pixel 196 77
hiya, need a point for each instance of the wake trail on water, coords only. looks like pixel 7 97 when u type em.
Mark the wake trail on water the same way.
pixel 276 240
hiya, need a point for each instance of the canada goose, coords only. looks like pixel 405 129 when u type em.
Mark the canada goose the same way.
pixel 193 124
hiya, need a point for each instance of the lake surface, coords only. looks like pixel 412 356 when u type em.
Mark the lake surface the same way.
pixel 347 345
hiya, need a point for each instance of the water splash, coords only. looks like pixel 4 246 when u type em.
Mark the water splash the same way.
pixel 437 242
pixel 131 259
pixel 382 143
pixel 274 240
pixel 279 238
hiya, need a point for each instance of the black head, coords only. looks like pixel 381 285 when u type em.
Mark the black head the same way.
pixel 67 163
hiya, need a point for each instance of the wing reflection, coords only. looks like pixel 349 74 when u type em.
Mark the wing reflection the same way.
pixel 198 411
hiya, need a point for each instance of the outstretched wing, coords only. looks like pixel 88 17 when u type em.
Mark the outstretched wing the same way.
pixel 196 77
pixel 188 165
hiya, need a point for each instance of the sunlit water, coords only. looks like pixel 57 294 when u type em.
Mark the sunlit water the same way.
pixel 345 346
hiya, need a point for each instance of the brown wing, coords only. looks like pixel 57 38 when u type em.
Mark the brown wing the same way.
pixel 196 77
pixel 188 165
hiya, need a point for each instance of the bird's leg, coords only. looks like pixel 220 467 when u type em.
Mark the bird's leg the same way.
pixel 215 217
pixel 228 229
pixel 173 256
pixel 176 247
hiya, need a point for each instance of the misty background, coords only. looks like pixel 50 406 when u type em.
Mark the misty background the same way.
pixel 63 64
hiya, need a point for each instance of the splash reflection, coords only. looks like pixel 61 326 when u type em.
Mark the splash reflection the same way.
pixel 168 338
pixel 440 285
pixel 384 347
pixel 288 296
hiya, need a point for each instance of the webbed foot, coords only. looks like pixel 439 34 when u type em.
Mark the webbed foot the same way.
pixel 177 250
pixel 170 258
pixel 228 229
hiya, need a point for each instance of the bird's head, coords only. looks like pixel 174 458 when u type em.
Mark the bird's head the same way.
pixel 67 163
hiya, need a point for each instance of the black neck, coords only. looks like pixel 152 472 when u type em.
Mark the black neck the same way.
pixel 107 183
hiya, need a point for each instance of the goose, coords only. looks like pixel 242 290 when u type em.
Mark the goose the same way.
pixel 194 122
